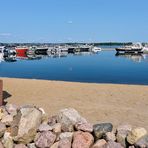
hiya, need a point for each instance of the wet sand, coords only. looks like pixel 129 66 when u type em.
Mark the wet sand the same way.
pixel 96 102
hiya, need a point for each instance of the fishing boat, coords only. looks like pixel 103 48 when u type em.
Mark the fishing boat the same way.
pixel 21 52
pixel 134 48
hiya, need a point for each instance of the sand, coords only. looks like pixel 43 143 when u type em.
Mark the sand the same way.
pixel 96 102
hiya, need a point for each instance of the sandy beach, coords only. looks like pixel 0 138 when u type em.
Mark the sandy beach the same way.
pixel 96 102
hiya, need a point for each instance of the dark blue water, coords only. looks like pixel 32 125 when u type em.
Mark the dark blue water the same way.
pixel 104 67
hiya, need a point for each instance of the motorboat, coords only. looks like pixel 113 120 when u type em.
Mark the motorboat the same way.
pixel 1 57
pixel 8 51
pixel 145 49
pixel 41 50
pixel 96 49
pixel 2 48
pixel 134 48
pixel 21 51
pixel 10 58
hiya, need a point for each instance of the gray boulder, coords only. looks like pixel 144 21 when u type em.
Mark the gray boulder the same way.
pixel 68 118
pixel 99 130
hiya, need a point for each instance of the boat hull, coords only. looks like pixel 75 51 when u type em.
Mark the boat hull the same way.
pixel 129 50
pixel 21 52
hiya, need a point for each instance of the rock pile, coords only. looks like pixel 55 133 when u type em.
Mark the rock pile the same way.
pixel 30 127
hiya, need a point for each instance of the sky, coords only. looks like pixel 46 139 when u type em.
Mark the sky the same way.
pixel 73 21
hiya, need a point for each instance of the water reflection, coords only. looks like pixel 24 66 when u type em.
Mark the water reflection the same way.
pixel 136 57
pixel 13 57
pixel 9 57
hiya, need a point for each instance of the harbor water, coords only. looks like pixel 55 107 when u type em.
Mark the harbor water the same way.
pixel 103 67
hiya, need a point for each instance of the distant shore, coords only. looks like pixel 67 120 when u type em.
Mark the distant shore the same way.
pixel 96 102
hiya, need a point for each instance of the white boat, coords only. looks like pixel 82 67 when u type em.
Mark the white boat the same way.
pixel 134 48
pixel 9 51
pixel 1 57
pixel 145 49
pixel 2 48
pixel 96 49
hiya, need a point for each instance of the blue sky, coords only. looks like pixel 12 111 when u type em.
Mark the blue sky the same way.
pixel 73 20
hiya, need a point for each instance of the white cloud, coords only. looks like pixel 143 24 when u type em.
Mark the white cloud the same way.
pixel 5 34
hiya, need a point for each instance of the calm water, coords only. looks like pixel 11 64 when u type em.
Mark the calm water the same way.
pixel 104 67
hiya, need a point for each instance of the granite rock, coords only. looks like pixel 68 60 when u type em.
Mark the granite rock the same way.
pixel 57 128
pixel 136 134
pixel 2 129
pixel 11 109
pixel 110 136
pixel 100 144
pixel 44 127
pixel 68 118
pixel 112 144
pixel 82 140
pixel 142 142
pixel 7 140
pixel 66 135
pixel 7 120
pixel 45 139
pixel 29 119
pixel 20 146
pixel 99 130
pixel 121 137
pixel 31 145
pixel 86 127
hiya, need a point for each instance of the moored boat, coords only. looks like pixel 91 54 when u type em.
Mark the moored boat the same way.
pixel 2 48
pixel 21 51
pixel 96 49
pixel 41 50
pixel 145 49
pixel 134 48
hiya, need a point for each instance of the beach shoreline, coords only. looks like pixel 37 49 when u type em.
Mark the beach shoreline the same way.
pixel 115 103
